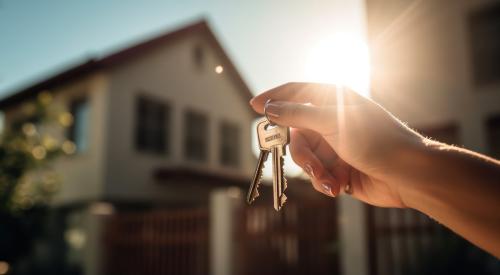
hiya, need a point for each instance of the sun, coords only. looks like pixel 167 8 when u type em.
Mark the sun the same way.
pixel 341 59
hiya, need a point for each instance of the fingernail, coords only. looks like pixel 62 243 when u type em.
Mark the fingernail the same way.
pixel 272 108
pixel 252 101
pixel 348 189
pixel 309 170
pixel 327 189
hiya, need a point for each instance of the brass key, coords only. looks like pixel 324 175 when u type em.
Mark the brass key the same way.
pixel 272 139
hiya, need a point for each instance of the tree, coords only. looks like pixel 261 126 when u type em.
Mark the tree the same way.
pixel 27 182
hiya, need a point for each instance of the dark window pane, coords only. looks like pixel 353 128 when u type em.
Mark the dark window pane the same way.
pixel 196 136
pixel 493 128
pixel 78 132
pixel 152 121
pixel 484 26
pixel 447 134
pixel 230 144
pixel 198 56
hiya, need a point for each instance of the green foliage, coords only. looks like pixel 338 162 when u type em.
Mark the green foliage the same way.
pixel 33 136
pixel 26 147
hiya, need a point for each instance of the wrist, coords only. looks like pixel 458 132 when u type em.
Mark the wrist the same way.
pixel 416 165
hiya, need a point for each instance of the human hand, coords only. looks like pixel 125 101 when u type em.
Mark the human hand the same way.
pixel 342 140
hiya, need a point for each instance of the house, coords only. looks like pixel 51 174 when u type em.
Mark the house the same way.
pixel 162 122
pixel 436 67
pixel 126 105
pixel 163 154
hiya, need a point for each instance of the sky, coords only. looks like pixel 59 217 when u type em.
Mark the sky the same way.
pixel 268 40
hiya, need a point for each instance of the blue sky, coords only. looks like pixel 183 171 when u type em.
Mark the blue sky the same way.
pixel 267 40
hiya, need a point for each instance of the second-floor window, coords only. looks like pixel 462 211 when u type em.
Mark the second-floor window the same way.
pixel 152 118
pixel 229 144
pixel 493 134
pixel 79 130
pixel 196 136
pixel 484 27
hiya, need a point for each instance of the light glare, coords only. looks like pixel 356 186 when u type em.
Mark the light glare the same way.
pixel 342 60
pixel 219 69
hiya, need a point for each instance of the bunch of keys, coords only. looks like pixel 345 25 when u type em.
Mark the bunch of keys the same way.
pixel 272 139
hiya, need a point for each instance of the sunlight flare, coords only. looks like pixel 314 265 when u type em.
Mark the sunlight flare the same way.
pixel 341 59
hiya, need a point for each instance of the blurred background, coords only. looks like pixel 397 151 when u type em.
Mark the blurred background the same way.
pixel 127 141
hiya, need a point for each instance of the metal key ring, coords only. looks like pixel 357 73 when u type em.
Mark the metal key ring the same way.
pixel 265 113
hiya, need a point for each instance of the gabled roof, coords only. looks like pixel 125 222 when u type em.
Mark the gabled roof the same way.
pixel 114 59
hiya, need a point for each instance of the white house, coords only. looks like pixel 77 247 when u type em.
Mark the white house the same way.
pixel 162 135
pixel 161 122
pixel 173 101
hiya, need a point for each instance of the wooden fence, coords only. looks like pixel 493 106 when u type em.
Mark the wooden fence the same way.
pixel 300 239
pixel 400 240
pixel 160 242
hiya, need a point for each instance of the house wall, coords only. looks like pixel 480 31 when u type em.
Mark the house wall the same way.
pixel 169 73
pixel 422 69
pixel 82 174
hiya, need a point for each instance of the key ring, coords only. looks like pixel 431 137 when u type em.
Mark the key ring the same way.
pixel 265 113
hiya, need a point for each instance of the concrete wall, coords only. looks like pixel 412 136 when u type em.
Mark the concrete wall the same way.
pixel 170 74
pixel 422 66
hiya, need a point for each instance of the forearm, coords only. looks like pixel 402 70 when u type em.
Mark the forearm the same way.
pixel 458 188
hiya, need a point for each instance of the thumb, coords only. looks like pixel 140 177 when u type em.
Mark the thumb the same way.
pixel 299 115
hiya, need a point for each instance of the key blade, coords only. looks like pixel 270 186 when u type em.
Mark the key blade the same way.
pixel 253 192
pixel 283 200
pixel 283 197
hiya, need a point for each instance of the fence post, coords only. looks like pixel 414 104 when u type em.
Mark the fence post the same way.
pixel 223 203
pixel 352 229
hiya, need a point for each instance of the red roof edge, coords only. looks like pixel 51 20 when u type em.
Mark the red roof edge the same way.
pixel 122 55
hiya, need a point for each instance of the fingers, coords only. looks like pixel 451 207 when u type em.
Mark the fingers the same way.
pixel 295 92
pixel 303 156
pixel 314 93
pixel 296 115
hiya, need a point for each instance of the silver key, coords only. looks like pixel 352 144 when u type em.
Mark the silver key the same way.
pixel 272 139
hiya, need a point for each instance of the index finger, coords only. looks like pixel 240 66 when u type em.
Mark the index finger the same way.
pixel 316 94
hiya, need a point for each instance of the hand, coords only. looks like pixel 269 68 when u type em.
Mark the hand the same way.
pixel 342 140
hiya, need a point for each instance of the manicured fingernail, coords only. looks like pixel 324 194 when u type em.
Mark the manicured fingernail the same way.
pixel 272 108
pixel 252 101
pixel 327 189
pixel 348 189
pixel 309 170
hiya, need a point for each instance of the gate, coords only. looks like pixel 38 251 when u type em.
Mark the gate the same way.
pixel 300 239
pixel 159 242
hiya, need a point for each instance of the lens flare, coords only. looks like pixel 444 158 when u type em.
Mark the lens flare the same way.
pixel 341 59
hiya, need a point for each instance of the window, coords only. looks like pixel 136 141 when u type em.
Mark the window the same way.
pixel 493 128
pixel 198 56
pixel 484 27
pixel 79 130
pixel 152 121
pixel 229 144
pixel 196 136
pixel 445 133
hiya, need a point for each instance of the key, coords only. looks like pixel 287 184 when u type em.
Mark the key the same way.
pixel 253 193
pixel 279 180
pixel 272 139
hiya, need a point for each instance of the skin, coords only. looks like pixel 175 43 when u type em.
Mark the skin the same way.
pixel 346 142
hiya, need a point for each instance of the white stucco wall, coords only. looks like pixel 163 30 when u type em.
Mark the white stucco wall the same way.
pixel 82 174
pixel 169 74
